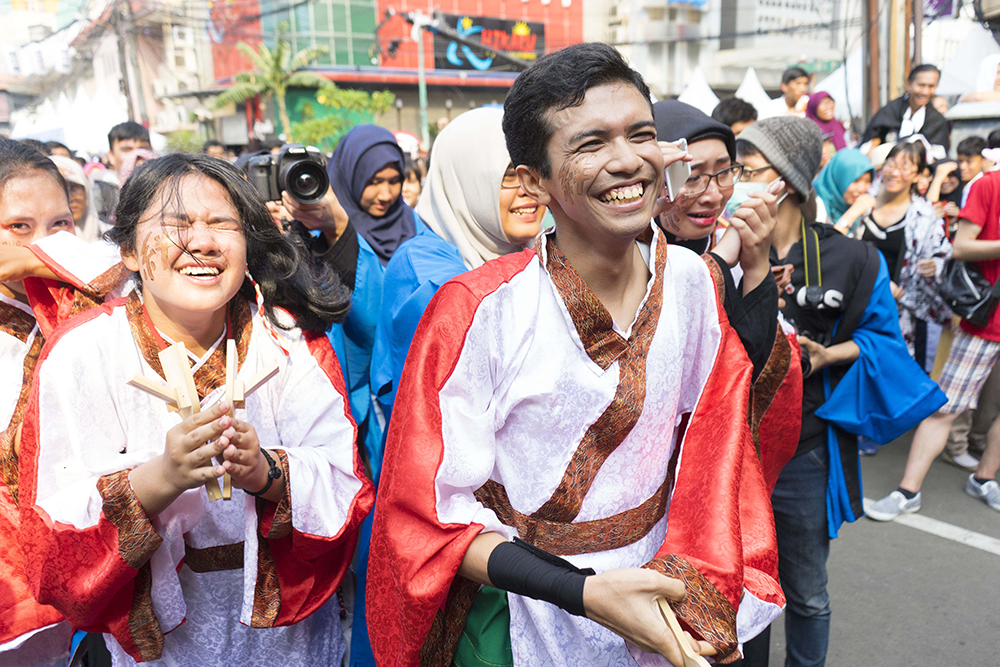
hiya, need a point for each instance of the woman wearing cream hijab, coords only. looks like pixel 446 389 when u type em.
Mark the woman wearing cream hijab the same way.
pixel 474 210
pixel 81 201
pixel 472 197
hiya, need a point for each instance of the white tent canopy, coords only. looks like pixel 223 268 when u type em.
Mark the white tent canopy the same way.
pixel 698 93
pixel 82 124
pixel 959 76
pixel 752 91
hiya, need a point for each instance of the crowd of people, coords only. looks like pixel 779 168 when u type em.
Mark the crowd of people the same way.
pixel 493 406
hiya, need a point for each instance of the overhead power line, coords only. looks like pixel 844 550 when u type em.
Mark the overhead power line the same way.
pixel 806 27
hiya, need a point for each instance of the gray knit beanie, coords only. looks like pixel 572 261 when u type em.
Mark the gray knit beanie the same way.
pixel 793 146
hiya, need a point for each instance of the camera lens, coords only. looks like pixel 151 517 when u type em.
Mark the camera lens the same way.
pixel 305 181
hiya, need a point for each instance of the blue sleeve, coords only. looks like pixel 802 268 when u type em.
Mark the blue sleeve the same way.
pixel 885 393
pixel 352 342
pixel 413 276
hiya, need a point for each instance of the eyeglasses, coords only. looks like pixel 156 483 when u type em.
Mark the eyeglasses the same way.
pixel 751 174
pixel 727 178
pixel 510 180
pixel 901 169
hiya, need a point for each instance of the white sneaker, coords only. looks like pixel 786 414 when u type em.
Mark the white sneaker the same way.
pixel 892 506
pixel 965 461
pixel 989 492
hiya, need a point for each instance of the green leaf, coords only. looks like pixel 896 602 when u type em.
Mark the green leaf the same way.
pixel 306 79
pixel 307 56
pixel 239 92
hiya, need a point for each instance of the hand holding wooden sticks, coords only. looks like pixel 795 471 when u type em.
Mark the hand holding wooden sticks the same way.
pixel 181 395
pixel 691 659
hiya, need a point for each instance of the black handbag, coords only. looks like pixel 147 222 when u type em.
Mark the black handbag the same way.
pixel 970 296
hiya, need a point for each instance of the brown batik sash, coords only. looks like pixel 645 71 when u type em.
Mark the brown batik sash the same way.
pixel 214 559
pixel 604 346
pixel 18 324
pixel 210 375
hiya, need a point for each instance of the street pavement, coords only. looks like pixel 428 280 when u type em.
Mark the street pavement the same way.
pixel 902 597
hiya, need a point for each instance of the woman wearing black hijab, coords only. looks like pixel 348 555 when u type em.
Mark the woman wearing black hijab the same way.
pixel 366 172
pixel 752 306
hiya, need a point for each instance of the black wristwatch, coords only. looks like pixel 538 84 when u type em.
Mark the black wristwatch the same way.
pixel 272 474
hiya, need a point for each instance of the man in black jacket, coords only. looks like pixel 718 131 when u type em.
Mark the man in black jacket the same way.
pixel 912 113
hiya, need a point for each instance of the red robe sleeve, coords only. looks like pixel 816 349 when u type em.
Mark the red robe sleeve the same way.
pixel 414 557
pixel 720 533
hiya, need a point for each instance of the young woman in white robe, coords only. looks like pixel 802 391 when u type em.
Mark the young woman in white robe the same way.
pixel 118 531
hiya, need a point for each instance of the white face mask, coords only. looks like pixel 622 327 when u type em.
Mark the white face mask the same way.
pixel 742 192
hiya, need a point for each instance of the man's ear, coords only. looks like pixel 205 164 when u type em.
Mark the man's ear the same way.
pixel 532 184
pixel 130 261
pixel 790 189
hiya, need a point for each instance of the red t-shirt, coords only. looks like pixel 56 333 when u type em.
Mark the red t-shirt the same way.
pixel 983 210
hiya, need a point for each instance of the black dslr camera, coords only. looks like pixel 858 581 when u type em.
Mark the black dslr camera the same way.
pixel 296 169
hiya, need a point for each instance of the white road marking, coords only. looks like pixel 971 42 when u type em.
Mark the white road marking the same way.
pixel 948 531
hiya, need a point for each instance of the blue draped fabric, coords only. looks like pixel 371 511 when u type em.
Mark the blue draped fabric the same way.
pixel 385 309
pixel 882 396
pixel 413 276
pixel 353 341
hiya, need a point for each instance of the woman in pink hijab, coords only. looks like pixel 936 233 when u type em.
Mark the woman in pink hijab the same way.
pixel 131 161
pixel 820 111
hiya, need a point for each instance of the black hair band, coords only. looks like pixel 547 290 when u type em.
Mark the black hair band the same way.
pixel 523 569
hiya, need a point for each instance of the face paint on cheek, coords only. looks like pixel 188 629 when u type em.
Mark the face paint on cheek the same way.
pixel 146 254
pixel 572 173
pixel 671 217
pixel 587 161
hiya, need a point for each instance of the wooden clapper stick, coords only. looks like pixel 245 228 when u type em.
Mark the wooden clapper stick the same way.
pixel 181 395
pixel 691 659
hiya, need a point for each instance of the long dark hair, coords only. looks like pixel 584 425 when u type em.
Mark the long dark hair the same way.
pixel 282 265
pixel 20 159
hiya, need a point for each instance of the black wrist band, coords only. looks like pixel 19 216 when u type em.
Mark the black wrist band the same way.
pixel 523 569
pixel 272 474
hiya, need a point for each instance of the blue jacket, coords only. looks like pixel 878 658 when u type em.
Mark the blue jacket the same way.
pixel 418 268
pixel 353 341
pixel 882 395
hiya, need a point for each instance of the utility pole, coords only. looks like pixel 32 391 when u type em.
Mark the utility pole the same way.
pixel 123 83
pixel 874 89
pixel 126 8
pixel 896 44
pixel 421 20
pixel 128 62
pixel 905 29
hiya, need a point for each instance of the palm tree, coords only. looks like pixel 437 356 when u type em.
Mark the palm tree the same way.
pixel 275 70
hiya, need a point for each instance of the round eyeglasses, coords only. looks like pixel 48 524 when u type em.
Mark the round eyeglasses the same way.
pixel 698 183
pixel 510 180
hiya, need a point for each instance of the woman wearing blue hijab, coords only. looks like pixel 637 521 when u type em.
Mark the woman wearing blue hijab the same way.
pixel 366 172
pixel 843 186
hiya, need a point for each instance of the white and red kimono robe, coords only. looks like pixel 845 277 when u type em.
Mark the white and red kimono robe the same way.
pixel 526 411
pixel 226 583
pixel 33 633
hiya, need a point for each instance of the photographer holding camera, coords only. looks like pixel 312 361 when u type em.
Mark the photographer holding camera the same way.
pixel 855 364
pixel 354 203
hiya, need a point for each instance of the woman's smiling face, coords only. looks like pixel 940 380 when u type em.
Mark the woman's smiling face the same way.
pixel 696 216
pixel 190 248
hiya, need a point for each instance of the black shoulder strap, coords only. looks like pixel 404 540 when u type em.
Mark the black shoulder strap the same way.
pixel 811 257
